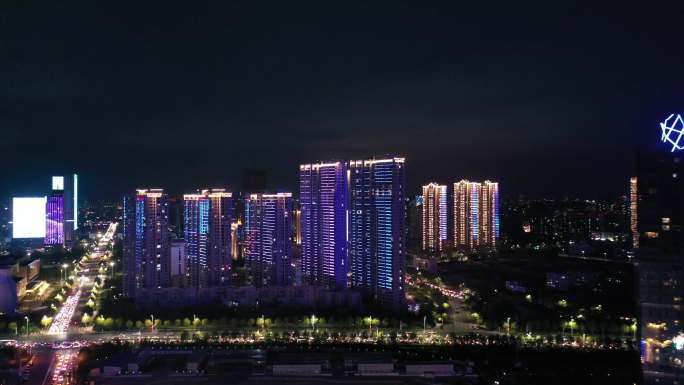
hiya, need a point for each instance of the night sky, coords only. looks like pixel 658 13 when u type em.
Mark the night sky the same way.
pixel 550 99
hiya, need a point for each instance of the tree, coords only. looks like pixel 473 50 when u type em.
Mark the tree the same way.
pixel 46 321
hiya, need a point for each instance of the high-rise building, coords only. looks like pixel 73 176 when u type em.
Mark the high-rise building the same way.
pixel 476 214
pixel 489 214
pixel 323 202
pixel 268 238
pixel 146 259
pixel 377 228
pixel 657 200
pixel 466 210
pixel 434 217
pixel 178 257
pixel 207 221
pixel 54 214
pixel 54 220
pixel 67 188
pixel 633 211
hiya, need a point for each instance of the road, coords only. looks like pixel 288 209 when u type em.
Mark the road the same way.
pixel 53 365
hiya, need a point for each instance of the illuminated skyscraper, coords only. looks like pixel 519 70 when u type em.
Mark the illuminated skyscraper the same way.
pixel 633 211
pixel 146 256
pixel 268 238
pixel 323 202
pixel 476 214
pixel 489 214
pixel 54 221
pixel 434 217
pixel 207 221
pixel 377 214
pixel 466 210
pixel 67 188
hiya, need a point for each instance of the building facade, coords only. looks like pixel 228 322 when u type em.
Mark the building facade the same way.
pixel 268 238
pixel 377 237
pixel 146 259
pixel 207 225
pixel 323 203
pixel 476 214
pixel 489 214
pixel 466 210
pixel 54 220
pixel 657 224
pixel 434 217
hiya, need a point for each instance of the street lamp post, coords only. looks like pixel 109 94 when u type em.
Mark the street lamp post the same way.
pixel 27 324
pixel 111 267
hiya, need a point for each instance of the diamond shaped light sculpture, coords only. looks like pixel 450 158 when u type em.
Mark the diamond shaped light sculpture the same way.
pixel 673 132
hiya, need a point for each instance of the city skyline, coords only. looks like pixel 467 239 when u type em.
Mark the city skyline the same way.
pixel 283 192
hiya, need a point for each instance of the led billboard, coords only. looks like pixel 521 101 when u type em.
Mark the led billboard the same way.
pixel 28 217
pixel 57 183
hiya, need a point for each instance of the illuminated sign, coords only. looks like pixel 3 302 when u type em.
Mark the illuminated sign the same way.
pixel 673 132
pixel 678 341
pixel 28 217
pixel 57 183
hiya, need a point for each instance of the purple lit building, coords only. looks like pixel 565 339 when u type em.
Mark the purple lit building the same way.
pixel 323 192
pixel 54 221
pixel 268 239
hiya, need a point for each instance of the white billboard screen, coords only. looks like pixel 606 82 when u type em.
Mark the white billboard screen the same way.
pixel 28 217
pixel 58 183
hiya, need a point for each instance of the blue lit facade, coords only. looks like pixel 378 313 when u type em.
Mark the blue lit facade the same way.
pixel 434 219
pixel 323 202
pixel 377 228
pixel 476 214
pixel 196 217
pixel 466 212
pixel 208 217
pixel 268 238
pixel 146 262
pixel 489 214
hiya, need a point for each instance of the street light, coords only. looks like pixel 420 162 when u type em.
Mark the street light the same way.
pixel 27 324
pixel 111 265
pixel 66 269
